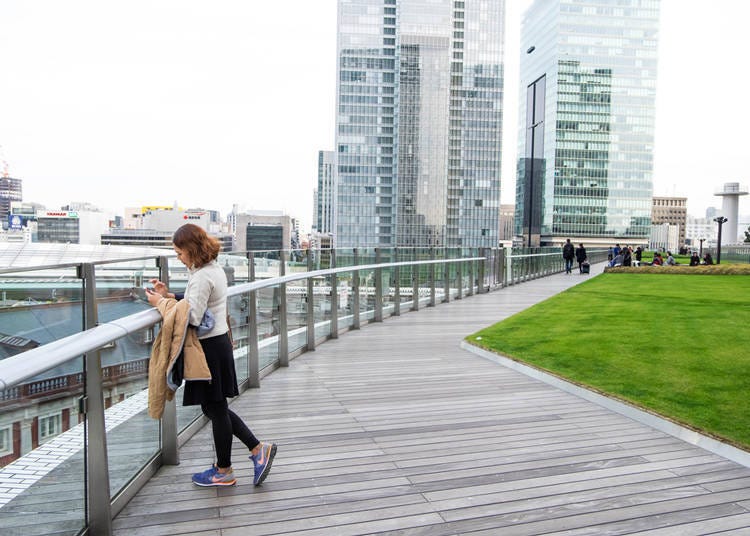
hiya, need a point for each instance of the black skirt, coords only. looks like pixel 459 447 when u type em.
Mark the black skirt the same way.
pixel 223 384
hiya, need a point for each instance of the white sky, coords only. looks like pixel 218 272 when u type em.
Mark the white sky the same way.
pixel 152 102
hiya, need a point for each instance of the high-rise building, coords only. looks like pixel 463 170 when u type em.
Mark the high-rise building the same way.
pixel 586 139
pixel 419 121
pixel 323 220
pixel 672 211
pixel 10 190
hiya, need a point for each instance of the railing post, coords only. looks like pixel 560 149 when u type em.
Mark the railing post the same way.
pixel 446 277
pixel 378 287
pixel 470 290
pixel 97 466
pixel 283 320
pixel 334 298
pixel 501 267
pixel 396 284
pixel 481 289
pixel 510 269
pixel 431 276
pixel 460 277
pixel 253 355
pixel 355 291
pixel 415 283
pixel 168 430
pixel 310 309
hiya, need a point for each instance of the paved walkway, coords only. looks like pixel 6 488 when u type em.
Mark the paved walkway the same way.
pixel 394 429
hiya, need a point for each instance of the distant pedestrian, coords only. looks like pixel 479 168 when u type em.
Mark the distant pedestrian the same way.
pixel 638 255
pixel 708 259
pixel 627 256
pixel 568 254
pixel 695 260
pixel 580 257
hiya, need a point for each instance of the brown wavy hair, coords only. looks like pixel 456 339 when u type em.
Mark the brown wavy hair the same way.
pixel 200 247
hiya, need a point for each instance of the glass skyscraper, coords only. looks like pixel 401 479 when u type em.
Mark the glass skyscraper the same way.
pixel 588 90
pixel 419 122
pixel 323 221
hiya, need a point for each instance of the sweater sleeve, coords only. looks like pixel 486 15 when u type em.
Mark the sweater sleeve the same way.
pixel 197 294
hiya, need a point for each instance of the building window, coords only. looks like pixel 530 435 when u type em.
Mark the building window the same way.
pixel 6 441
pixel 49 427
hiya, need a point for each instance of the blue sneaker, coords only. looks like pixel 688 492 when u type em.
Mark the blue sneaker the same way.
pixel 263 461
pixel 212 477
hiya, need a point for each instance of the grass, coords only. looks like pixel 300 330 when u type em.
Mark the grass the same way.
pixel 674 345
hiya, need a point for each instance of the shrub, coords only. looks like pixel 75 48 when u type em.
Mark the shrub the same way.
pixel 683 269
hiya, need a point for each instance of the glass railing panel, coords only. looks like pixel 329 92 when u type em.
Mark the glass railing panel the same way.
pixel 38 307
pixel 439 271
pixel 366 295
pixel 42 474
pixel 322 292
pixel 237 310
pixel 266 264
pixel 185 414
pixel 405 281
pixel 424 285
pixel 296 311
pixel 344 257
pixel 296 262
pixel 345 301
pixel 267 320
pixel 132 436
pixel 366 256
pixel 235 265
pixel 386 283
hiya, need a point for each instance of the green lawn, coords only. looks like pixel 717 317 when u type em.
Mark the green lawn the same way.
pixel 678 345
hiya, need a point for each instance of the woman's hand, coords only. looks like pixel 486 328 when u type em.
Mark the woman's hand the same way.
pixel 159 287
pixel 159 291
pixel 153 297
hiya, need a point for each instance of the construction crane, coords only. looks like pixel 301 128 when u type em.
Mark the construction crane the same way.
pixel 4 163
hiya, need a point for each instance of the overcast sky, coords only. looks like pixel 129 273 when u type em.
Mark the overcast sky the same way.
pixel 209 104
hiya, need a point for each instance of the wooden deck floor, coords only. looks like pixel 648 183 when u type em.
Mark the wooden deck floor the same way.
pixel 393 429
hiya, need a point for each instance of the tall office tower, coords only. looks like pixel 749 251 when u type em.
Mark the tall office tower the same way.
pixel 588 88
pixel 323 221
pixel 10 190
pixel 419 121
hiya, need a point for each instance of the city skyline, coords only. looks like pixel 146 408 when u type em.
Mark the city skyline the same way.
pixel 181 102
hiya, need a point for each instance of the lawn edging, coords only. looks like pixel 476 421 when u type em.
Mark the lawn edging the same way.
pixel 637 414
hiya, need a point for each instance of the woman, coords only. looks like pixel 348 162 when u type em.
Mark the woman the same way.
pixel 207 290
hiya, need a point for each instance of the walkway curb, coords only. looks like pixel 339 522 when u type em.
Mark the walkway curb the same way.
pixel 649 419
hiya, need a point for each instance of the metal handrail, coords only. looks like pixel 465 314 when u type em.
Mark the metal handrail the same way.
pixel 20 367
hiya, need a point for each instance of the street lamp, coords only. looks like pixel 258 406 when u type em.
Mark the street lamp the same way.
pixel 700 250
pixel 721 220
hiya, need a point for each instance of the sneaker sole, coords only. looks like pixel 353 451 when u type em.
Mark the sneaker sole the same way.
pixel 215 484
pixel 265 472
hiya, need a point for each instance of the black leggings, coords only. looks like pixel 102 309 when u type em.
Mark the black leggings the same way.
pixel 225 423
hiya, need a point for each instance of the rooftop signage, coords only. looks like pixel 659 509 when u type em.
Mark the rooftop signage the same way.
pixel 59 214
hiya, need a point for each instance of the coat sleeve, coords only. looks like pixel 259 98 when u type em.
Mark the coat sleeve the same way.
pixel 158 392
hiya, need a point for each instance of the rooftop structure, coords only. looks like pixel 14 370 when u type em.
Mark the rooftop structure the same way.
pixel 730 195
